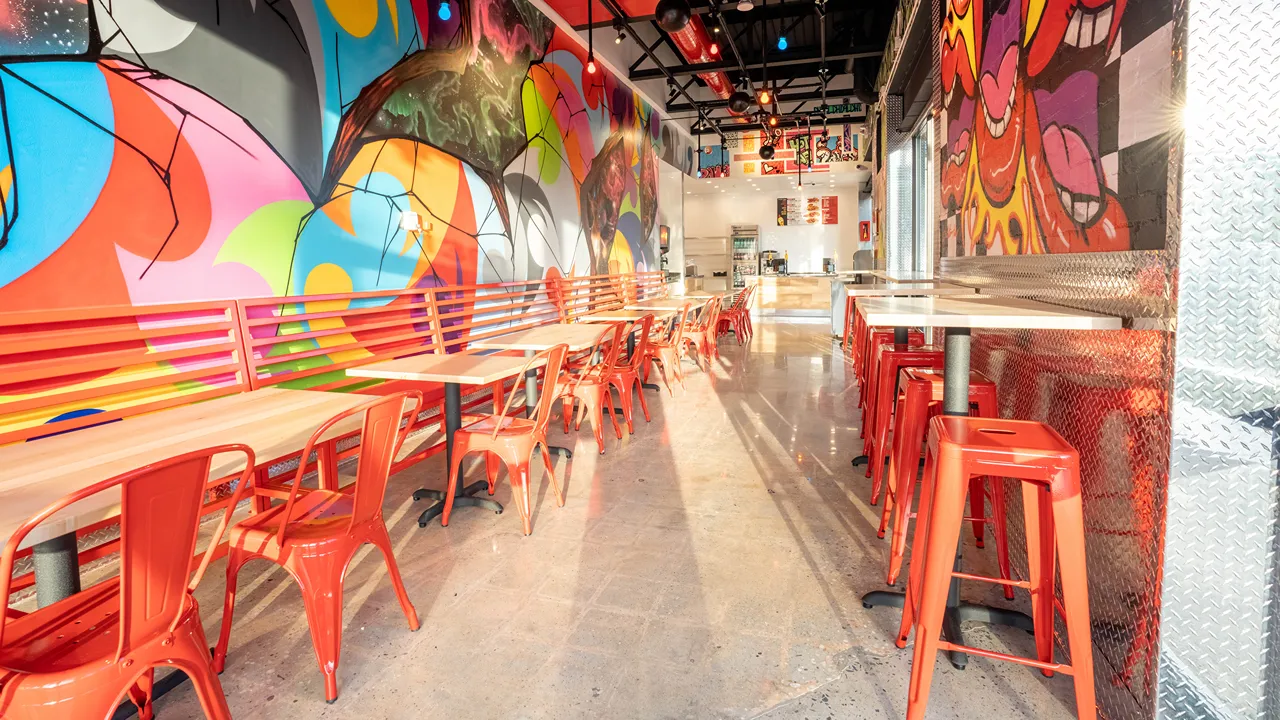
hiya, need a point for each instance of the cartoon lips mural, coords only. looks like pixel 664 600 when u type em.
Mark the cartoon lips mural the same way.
pixel 1000 134
pixel 1061 24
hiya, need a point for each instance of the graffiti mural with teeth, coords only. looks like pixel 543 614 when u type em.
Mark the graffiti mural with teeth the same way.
pixel 1040 153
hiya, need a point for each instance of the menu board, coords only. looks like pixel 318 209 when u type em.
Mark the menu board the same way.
pixel 822 210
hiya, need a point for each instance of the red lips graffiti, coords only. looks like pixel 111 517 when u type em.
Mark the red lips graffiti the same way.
pixel 1021 170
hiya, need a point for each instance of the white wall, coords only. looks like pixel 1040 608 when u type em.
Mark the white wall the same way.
pixel 671 212
pixel 711 215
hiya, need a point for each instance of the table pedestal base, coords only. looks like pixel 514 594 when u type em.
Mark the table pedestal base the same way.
pixel 956 613
pixel 465 498
pixel 860 460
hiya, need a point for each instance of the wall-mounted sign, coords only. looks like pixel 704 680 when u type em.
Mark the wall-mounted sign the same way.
pixel 809 211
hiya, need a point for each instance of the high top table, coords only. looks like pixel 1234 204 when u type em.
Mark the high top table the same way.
pixel 856 291
pixel 454 371
pixel 958 316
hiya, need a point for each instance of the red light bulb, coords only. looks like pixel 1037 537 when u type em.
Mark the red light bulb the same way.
pixel 715 48
pixel 591 67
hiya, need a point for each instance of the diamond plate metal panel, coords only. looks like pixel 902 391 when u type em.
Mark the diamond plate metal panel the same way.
pixel 1219 647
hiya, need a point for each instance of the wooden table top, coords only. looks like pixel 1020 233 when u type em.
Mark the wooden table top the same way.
pixel 462 368
pixel 981 312
pixel 576 336
pixel 625 315
pixel 673 304
pixel 272 421
pixel 891 289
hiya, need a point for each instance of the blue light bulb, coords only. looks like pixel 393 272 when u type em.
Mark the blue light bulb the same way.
pixel 445 12
pixel 782 43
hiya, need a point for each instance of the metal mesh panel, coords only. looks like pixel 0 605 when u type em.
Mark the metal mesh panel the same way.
pixel 1107 393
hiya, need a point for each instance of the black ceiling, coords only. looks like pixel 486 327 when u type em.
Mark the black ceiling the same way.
pixel 855 33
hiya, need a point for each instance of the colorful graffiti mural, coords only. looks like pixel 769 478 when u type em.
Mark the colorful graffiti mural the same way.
pixel 173 150
pixel 713 161
pixel 1056 115
pixel 811 149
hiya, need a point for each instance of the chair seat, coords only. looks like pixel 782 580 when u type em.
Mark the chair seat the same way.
pixel 316 514
pixel 72 632
pixel 509 425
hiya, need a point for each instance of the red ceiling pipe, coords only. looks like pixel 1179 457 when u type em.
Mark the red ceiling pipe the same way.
pixel 695 45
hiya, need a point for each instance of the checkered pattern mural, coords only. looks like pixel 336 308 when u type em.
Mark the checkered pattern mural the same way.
pixel 1057 118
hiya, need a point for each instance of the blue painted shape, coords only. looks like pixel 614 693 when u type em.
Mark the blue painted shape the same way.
pixel 61 160
pixel 71 415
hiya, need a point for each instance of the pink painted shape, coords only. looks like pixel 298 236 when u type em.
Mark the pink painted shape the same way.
pixel 996 89
pixel 1071 161
pixel 242 173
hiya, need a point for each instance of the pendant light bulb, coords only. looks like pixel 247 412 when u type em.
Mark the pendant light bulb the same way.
pixel 591 64
pixel 445 12
pixel 715 48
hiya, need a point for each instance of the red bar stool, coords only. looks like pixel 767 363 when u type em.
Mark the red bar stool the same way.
pixel 960 448
pixel 889 358
pixel 921 399
pixel 866 357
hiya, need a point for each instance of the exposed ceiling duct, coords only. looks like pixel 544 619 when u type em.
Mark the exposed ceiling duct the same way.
pixel 695 44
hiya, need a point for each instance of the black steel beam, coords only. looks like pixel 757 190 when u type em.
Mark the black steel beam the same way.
pixel 788 122
pixel 774 10
pixel 718 103
pixel 798 56
pixel 640 60
pixel 617 12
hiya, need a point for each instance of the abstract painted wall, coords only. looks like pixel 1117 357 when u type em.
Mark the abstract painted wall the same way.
pixel 173 150
pixel 1055 117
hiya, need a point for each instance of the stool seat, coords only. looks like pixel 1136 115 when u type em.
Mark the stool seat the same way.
pixel 1004 444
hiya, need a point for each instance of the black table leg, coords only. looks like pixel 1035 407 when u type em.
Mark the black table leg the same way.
pixel 531 404
pixel 465 494
pixel 57 568
pixel 955 401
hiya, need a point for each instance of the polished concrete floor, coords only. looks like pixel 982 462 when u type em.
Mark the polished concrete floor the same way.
pixel 709 566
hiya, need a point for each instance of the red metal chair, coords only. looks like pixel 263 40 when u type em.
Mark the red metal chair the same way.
pixel 511 440
pixel 314 534
pixel 591 386
pixel 626 376
pixel 666 352
pixel 737 319
pixel 1049 468
pixel 702 334
pixel 81 656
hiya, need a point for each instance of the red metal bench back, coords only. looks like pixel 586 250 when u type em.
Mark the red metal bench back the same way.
pixel 586 294
pixel 308 341
pixel 61 370
pixel 473 312
pixel 645 285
